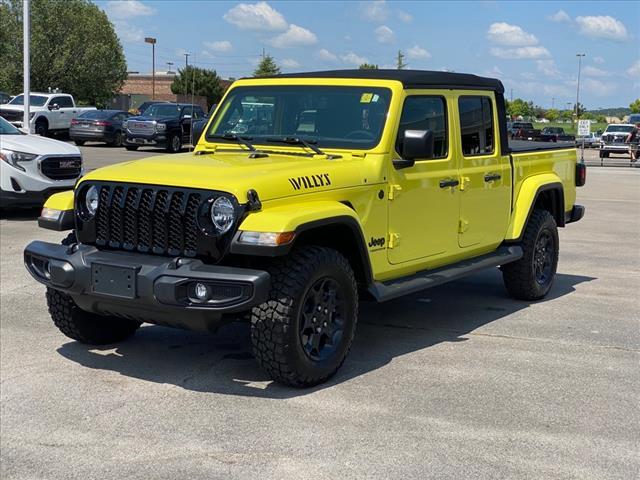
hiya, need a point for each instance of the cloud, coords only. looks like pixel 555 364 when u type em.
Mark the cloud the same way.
pixel 560 16
pixel 590 71
pixel 289 63
pixel 598 88
pixel 543 89
pixel 598 60
pixel 219 46
pixel 256 16
pixel 375 11
pixel 510 35
pixel 548 68
pixel 634 70
pixel 127 32
pixel 520 53
pixel 353 59
pixel 128 8
pixel 384 34
pixel 494 72
pixel 603 26
pixel 404 16
pixel 326 55
pixel 418 53
pixel 295 36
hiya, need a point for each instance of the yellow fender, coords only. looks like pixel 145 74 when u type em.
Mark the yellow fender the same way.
pixel 525 197
pixel 288 218
pixel 60 201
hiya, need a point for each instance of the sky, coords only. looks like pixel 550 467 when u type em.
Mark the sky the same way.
pixel 530 46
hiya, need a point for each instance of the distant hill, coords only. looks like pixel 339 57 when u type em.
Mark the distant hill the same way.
pixel 612 112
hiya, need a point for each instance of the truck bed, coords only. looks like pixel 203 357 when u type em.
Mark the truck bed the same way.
pixel 518 146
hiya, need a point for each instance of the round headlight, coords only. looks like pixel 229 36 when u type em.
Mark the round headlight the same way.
pixel 222 214
pixel 91 199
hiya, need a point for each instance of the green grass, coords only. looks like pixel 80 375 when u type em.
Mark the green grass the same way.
pixel 570 128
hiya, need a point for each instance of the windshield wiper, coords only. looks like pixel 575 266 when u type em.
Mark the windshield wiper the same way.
pixel 255 153
pixel 310 144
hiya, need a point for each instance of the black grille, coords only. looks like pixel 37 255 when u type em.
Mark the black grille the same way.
pixel 61 168
pixel 11 116
pixel 148 219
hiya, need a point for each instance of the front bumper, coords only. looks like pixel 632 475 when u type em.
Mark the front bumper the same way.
pixel 157 140
pixel 28 199
pixel 617 147
pixel 146 288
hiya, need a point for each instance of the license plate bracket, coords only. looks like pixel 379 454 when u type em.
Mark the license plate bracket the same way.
pixel 113 280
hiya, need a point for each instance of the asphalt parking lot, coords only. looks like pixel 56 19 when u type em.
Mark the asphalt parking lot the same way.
pixel 456 382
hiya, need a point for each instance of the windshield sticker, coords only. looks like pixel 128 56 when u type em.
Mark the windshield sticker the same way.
pixel 310 181
pixel 366 98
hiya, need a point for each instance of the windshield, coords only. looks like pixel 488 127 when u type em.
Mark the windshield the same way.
pixel 619 128
pixel 162 110
pixel 328 116
pixel 35 100
pixel 7 129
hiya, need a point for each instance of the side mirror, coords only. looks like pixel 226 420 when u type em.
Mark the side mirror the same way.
pixel 416 144
pixel 54 106
pixel 186 116
pixel 196 130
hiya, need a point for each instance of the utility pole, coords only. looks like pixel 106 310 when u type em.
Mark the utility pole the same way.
pixel 553 102
pixel 400 61
pixel 511 95
pixel 169 65
pixel 264 54
pixel 152 41
pixel 26 82
pixel 579 55
pixel 186 59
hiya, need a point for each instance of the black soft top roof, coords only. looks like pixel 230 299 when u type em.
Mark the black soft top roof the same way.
pixel 410 78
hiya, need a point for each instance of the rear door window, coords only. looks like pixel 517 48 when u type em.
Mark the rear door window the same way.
pixel 63 102
pixel 476 125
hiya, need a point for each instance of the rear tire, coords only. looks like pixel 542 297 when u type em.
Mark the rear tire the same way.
pixel 531 277
pixel 86 327
pixel 131 149
pixel 79 142
pixel 117 141
pixel 303 333
pixel 604 154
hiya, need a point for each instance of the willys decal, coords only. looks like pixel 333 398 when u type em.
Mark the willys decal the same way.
pixel 310 181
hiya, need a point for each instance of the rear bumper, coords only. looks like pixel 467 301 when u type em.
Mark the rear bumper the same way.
pixel 146 288
pixel 576 214
pixel 76 134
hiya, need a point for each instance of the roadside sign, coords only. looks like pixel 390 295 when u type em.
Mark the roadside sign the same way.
pixel 584 128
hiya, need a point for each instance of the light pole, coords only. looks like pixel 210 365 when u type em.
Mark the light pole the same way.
pixel 186 59
pixel 26 81
pixel 579 55
pixel 152 41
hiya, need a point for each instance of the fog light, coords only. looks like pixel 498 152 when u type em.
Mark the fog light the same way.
pixel 201 291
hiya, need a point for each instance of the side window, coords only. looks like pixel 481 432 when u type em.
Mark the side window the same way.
pixel 425 113
pixel 63 102
pixel 476 125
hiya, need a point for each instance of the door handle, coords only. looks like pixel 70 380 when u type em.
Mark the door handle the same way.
pixel 449 182
pixel 490 177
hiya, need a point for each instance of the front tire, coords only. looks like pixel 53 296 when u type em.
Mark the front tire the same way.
pixel 86 327
pixel 131 149
pixel 174 143
pixel 531 277
pixel 79 142
pixel 41 128
pixel 303 333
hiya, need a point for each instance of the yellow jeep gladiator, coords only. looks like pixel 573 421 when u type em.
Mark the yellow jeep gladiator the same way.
pixel 304 194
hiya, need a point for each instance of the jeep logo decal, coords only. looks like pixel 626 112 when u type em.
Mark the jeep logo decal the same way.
pixel 310 181
pixel 376 242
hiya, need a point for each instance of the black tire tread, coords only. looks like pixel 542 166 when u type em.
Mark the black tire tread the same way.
pixel 517 275
pixel 271 320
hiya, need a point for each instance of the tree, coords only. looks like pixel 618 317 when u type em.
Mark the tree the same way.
pixel 520 108
pixel 635 106
pixel 368 66
pixel 400 65
pixel 73 47
pixel 200 81
pixel 581 109
pixel 553 114
pixel 267 67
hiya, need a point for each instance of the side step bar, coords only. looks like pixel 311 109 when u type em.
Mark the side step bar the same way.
pixel 383 291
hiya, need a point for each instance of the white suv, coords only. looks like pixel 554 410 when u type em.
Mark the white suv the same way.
pixel 32 167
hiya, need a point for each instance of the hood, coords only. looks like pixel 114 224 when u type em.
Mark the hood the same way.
pixel 37 145
pixel 142 118
pixel 19 108
pixel 272 177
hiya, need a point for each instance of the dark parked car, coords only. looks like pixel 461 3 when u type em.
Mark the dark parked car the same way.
pixel 99 126
pixel 524 131
pixel 198 125
pixel 164 125
pixel 555 134
pixel 144 105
